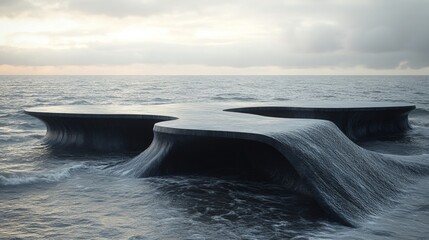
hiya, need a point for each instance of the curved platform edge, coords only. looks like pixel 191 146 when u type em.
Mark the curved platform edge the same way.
pixel 98 132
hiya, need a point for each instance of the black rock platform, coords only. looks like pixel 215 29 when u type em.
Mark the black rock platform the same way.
pixel 307 147
pixel 110 128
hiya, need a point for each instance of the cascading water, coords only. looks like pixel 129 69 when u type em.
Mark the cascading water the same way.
pixel 349 182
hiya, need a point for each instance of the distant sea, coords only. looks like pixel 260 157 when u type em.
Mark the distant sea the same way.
pixel 69 195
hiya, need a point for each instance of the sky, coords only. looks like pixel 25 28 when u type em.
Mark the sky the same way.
pixel 169 37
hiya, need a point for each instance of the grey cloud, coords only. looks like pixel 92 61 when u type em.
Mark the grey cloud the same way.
pixel 115 8
pixel 362 26
pixel 318 38
pixel 235 55
pixel 375 34
pixel 378 39
pixel 390 26
pixel 142 8
pixel 12 8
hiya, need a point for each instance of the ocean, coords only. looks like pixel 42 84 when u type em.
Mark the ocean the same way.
pixel 49 194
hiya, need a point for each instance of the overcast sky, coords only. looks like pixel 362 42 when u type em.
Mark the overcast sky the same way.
pixel 214 37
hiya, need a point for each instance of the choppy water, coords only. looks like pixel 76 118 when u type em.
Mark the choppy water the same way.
pixel 63 195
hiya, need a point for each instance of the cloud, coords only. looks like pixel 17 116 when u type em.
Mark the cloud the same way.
pixel 377 34
pixel 12 8
pixel 316 38
pixel 391 26
pixel 144 8
pixel 231 55
pixel 116 8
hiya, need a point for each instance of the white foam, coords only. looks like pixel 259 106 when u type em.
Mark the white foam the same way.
pixel 52 176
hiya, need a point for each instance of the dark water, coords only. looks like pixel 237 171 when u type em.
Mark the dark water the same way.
pixel 63 195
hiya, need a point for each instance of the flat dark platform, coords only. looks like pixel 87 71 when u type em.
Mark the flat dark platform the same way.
pixel 358 120
pixel 304 146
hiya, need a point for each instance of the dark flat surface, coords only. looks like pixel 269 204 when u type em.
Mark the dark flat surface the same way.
pixel 200 119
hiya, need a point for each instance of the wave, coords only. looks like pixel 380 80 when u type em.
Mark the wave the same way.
pixel 160 100
pixel 14 179
pixel 419 122
pixel 80 102
pixel 241 99
pixel 419 117
pixel 281 99
pixel 419 112
pixel 233 97
pixel 349 182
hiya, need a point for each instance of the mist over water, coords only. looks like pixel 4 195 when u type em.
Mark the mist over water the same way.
pixel 54 194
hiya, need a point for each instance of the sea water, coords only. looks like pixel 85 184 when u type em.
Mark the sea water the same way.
pixel 46 194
